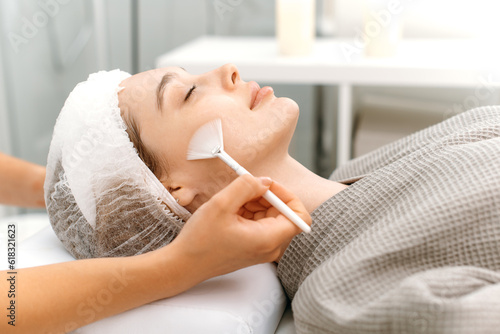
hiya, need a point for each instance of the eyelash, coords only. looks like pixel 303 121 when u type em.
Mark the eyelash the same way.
pixel 189 93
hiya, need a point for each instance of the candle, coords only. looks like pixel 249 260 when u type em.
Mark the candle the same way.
pixel 295 26
pixel 327 23
pixel 382 27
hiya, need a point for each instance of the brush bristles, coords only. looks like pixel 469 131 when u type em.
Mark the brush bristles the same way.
pixel 206 140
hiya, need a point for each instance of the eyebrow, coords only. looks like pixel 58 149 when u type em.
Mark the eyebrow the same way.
pixel 161 87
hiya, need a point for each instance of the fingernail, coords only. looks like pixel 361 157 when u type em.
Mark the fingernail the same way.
pixel 267 181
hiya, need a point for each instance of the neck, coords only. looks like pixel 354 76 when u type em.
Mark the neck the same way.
pixel 311 189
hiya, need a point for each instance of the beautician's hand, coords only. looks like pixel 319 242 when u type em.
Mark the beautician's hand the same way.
pixel 238 228
pixel 235 229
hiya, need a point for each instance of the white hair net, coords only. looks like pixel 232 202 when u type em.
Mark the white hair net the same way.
pixel 101 198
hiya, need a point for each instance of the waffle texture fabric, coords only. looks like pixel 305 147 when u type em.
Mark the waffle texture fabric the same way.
pixel 412 246
pixel 101 198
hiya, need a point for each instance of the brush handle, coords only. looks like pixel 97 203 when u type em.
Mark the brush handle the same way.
pixel 268 195
pixel 284 209
pixel 231 163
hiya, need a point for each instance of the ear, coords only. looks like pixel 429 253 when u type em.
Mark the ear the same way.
pixel 184 194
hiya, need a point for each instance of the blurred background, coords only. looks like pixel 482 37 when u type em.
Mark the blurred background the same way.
pixel 47 46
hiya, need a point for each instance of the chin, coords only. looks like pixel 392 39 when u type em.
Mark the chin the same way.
pixel 290 117
pixel 285 108
pixel 290 104
pixel 290 113
pixel 278 127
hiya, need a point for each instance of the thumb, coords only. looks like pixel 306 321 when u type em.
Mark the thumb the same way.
pixel 242 190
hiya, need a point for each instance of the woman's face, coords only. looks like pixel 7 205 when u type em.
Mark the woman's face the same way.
pixel 168 105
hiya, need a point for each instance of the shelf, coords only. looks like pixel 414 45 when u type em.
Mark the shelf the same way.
pixel 419 62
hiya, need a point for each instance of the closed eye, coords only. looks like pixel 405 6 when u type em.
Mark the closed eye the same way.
pixel 189 93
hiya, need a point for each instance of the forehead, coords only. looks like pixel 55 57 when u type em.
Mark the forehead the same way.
pixel 149 79
pixel 141 88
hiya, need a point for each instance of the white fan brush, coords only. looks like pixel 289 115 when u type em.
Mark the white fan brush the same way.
pixel 208 143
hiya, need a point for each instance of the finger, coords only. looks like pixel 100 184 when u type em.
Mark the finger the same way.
pixel 259 215
pixel 264 202
pixel 292 201
pixel 273 212
pixel 277 230
pixel 255 206
pixel 247 215
pixel 269 213
pixel 243 189
pixel 284 194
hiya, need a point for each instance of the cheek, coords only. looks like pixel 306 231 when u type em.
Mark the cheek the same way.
pixel 208 177
pixel 238 122
pixel 217 178
pixel 174 143
pixel 248 135
pixel 218 106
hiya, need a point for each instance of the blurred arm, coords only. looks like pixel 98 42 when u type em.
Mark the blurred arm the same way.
pixel 21 182
pixel 65 296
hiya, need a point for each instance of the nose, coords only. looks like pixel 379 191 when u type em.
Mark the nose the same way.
pixel 229 76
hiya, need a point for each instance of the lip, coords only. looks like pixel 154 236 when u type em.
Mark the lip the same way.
pixel 254 90
pixel 258 94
